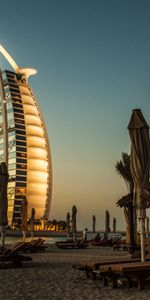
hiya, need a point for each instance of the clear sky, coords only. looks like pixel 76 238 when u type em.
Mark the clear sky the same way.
pixel 93 62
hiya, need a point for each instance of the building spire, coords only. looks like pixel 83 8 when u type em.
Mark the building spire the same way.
pixel 24 71
pixel 9 58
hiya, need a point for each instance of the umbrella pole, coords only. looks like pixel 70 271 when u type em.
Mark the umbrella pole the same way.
pixel 2 237
pixel 142 239
pixel 23 235
pixel 32 233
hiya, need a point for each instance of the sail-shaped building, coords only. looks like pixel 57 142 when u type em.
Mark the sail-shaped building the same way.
pixel 24 144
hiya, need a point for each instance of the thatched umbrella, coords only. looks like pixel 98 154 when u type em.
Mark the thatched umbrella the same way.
pixel 140 166
pixel 107 222
pixel 74 225
pixel 130 216
pixel 24 224
pixel 114 225
pixel 68 224
pixel 32 221
pixel 3 200
pixel 94 223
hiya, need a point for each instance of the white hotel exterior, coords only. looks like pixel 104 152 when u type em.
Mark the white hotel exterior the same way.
pixel 23 144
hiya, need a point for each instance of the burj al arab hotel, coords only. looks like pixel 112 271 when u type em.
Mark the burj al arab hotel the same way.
pixel 24 143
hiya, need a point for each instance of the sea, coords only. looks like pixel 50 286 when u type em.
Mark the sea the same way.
pixel 54 239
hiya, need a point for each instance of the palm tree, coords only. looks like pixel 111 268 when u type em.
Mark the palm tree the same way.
pixel 123 169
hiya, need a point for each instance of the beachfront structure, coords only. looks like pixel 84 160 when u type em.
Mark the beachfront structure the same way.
pixel 23 143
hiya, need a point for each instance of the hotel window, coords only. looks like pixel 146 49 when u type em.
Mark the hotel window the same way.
pixel 19 116
pixel 18 202
pixel 13 85
pixel 19 143
pixel 21 155
pixel 16 215
pixel 11 73
pixel 22 184
pixel 19 160
pixel 18 126
pixel 21 166
pixel 17 105
pixel 20 178
pixel 20 121
pixel 16 208
pixel 21 137
pixel 16 101
pixel 21 149
pixel 14 90
pixel 12 80
pixel 16 110
pixel 14 95
pixel 21 172
pixel 21 132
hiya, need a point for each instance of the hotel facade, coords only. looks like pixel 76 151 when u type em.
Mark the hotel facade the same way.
pixel 24 144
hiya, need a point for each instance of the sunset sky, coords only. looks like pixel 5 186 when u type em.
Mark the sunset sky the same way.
pixel 93 62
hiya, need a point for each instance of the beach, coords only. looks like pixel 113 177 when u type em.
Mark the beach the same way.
pixel 50 276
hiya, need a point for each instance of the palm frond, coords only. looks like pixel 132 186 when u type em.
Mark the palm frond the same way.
pixel 123 168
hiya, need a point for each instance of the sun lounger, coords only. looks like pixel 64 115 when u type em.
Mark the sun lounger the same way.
pixel 35 246
pixel 15 248
pixel 92 269
pixel 80 244
pixel 133 270
pixel 11 255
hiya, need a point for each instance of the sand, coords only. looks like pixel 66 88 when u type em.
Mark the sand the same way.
pixel 50 276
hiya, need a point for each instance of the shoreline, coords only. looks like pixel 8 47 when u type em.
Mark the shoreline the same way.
pixel 37 233
pixel 48 233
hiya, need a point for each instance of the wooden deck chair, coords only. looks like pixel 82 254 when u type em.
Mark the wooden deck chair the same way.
pixel 11 255
pixel 35 246
pixel 92 269
pixel 133 270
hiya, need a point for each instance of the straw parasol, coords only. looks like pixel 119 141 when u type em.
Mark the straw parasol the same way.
pixel 107 222
pixel 94 224
pixel 68 224
pixel 32 221
pixel 140 162
pixel 3 200
pixel 74 226
pixel 24 224
pixel 114 224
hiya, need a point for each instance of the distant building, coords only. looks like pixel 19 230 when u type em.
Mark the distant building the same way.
pixel 23 143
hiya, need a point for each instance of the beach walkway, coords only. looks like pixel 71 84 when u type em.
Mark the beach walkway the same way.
pixel 50 276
